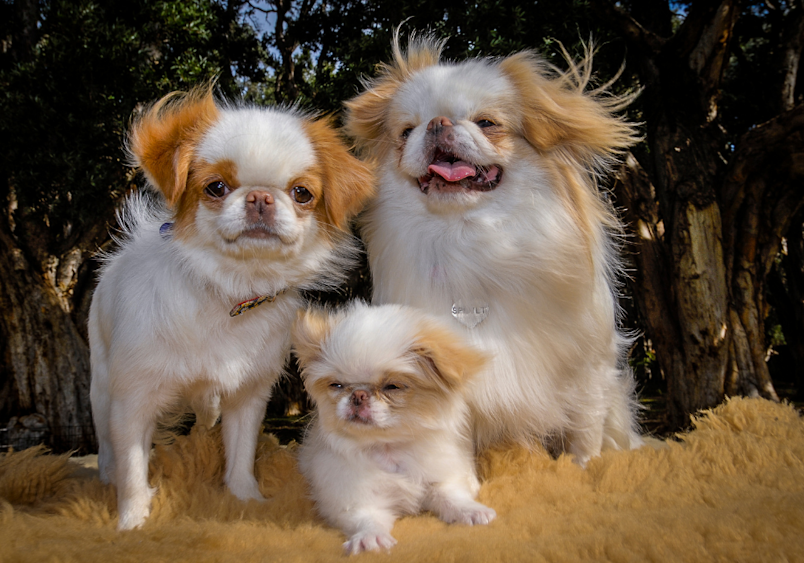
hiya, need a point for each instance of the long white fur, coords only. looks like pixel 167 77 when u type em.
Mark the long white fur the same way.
pixel 159 326
pixel 363 478
pixel 558 372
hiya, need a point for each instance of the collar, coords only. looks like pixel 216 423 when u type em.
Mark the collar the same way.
pixel 249 304
pixel 166 230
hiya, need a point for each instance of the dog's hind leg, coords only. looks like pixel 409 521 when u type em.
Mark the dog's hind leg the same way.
pixel 132 427
pixel 99 396
pixel 621 431
pixel 207 409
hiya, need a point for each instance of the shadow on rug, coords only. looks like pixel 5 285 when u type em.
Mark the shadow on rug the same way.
pixel 732 489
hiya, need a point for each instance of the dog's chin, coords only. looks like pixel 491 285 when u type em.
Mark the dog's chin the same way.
pixel 444 197
pixel 261 236
pixel 360 422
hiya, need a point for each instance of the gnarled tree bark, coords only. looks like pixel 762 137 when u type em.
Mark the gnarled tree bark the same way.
pixel 708 217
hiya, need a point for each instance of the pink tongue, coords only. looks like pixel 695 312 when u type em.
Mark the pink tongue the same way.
pixel 452 171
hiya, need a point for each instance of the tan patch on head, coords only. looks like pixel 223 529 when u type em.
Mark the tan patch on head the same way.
pixel 347 183
pixel 201 175
pixel 557 113
pixel 367 114
pixel 446 358
pixel 163 139
pixel 309 332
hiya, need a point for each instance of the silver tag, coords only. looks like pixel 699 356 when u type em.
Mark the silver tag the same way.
pixel 469 317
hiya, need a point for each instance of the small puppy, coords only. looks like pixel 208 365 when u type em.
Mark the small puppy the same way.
pixel 196 306
pixel 391 434
pixel 489 215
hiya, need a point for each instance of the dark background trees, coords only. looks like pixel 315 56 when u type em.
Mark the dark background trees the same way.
pixel 712 197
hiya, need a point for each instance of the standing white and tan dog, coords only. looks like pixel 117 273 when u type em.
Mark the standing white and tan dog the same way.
pixel 197 305
pixel 489 214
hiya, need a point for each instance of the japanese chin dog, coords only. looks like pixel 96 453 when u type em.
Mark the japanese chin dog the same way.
pixel 196 306
pixel 489 215
pixel 391 434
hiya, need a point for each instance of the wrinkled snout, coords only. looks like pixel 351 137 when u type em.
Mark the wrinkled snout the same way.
pixel 360 407
pixel 359 398
pixel 442 131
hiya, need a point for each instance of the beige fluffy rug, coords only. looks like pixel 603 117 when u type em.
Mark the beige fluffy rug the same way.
pixel 732 489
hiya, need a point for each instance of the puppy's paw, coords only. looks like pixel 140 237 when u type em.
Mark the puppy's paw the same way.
pixel 368 541
pixel 470 514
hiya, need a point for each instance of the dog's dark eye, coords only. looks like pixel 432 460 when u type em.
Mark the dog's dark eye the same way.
pixel 301 194
pixel 483 123
pixel 217 189
pixel 336 385
pixel 391 387
pixel 406 133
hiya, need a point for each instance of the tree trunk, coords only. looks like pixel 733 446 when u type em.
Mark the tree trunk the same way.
pixel 708 218
pixel 701 289
pixel 680 290
pixel 46 357
pixel 761 195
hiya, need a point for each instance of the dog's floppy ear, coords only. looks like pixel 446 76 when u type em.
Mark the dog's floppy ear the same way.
pixel 350 181
pixel 449 360
pixel 557 112
pixel 367 114
pixel 163 139
pixel 309 332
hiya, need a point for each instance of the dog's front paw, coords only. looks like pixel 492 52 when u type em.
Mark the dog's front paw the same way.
pixel 134 511
pixel 246 489
pixel 368 541
pixel 473 514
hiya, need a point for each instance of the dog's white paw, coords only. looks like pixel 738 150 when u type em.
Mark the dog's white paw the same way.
pixel 246 489
pixel 368 541
pixel 472 515
pixel 134 511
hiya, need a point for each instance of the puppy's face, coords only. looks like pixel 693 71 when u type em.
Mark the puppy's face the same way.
pixel 246 181
pixel 460 133
pixel 382 372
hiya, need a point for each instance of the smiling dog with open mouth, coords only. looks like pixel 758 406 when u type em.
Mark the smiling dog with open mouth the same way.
pixel 489 215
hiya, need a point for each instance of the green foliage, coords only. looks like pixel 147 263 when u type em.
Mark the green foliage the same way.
pixel 751 84
pixel 343 41
pixel 65 105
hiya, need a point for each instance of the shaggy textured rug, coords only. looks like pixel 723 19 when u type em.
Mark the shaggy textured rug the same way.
pixel 732 489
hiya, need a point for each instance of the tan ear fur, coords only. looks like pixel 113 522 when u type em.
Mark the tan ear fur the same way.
pixel 558 113
pixel 349 181
pixel 309 332
pixel 449 359
pixel 366 114
pixel 163 139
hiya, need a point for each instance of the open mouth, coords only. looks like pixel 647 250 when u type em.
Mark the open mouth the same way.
pixel 447 172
